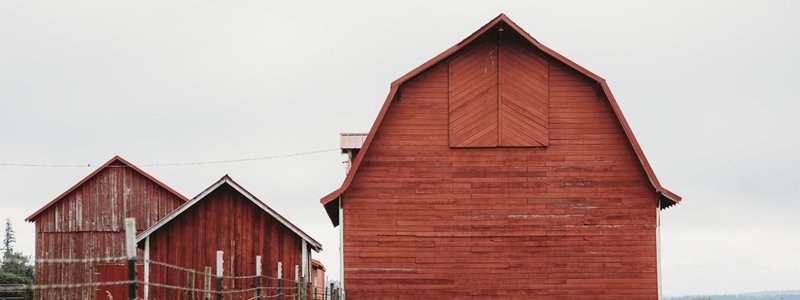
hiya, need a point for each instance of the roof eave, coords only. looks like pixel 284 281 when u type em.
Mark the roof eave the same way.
pixel 332 210
pixel 668 199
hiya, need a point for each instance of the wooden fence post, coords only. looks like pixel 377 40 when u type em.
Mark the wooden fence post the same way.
pixel 130 253
pixel 258 276
pixel 219 274
pixel 280 276
pixel 190 281
pixel 207 283
pixel 296 283
pixel 146 285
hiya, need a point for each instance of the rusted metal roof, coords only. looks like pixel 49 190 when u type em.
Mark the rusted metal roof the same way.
pixel 229 181
pixel 116 158
pixel 668 198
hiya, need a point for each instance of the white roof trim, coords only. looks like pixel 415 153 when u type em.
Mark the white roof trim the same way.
pixel 227 180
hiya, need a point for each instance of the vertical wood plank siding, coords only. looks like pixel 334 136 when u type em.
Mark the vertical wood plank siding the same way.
pixel 224 220
pixel 88 223
pixel 574 219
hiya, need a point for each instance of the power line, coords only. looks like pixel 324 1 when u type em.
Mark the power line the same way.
pixel 44 165
pixel 175 164
pixel 238 160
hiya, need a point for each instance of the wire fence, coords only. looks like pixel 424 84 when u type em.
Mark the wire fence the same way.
pixel 187 283
pixel 132 277
pixel 245 287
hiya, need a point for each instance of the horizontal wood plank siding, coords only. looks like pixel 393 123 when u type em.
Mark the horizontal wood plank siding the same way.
pixel 572 220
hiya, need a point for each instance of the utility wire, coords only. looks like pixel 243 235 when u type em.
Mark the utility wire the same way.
pixel 43 165
pixel 176 164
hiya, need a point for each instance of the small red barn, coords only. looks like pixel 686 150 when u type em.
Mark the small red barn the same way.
pixel 223 217
pixel 87 221
pixel 318 279
pixel 499 168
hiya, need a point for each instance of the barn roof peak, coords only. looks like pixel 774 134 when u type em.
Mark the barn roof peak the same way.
pixel 113 162
pixel 227 180
pixel 667 198
pixel 501 18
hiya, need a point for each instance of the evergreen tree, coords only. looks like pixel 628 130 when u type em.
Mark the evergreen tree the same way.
pixel 8 239
pixel 15 266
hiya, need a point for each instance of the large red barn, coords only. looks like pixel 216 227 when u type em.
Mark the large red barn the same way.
pixel 87 221
pixel 499 168
pixel 224 217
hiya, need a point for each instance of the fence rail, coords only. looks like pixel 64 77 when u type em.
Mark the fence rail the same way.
pixel 214 285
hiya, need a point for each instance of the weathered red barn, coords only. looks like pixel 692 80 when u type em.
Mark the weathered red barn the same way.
pixel 86 221
pixel 499 168
pixel 223 217
pixel 318 279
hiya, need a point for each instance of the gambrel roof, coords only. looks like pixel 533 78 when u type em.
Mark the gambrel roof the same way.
pixel 667 198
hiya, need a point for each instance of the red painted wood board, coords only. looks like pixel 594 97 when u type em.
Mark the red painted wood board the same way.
pixel 226 220
pixel 87 222
pixel 574 219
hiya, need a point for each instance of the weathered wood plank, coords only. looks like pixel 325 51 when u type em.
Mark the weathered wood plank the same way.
pixel 87 223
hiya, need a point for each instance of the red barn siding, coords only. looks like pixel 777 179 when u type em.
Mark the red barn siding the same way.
pixel 524 92
pixel 228 221
pixel 318 280
pixel 498 94
pixel 576 219
pixel 87 222
pixel 473 96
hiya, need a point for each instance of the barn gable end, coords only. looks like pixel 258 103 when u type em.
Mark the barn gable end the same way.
pixel 224 217
pixel 103 175
pixel 485 179
pixel 86 221
pixel 332 200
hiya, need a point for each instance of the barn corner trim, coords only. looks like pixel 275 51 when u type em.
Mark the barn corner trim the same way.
pixel 227 180
pixel 331 201
pixel 116 158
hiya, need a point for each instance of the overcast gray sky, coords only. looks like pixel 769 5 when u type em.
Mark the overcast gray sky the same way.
pixel 710 90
